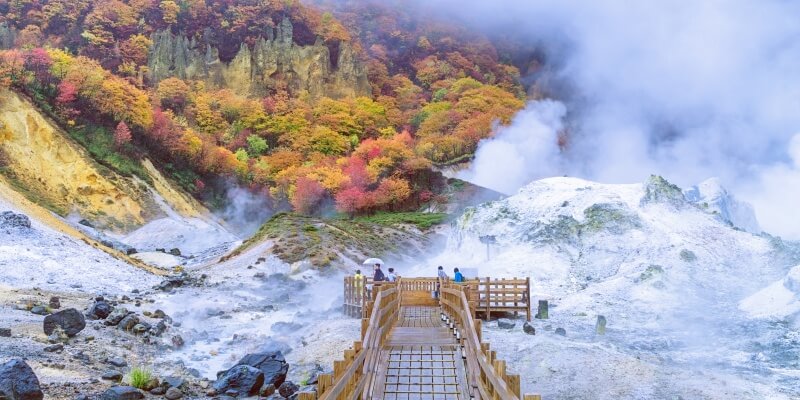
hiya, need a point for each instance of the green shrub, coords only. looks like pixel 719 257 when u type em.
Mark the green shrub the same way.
pixel 139 377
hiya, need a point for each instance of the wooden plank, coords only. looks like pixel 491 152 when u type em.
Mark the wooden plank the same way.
pixel 380 381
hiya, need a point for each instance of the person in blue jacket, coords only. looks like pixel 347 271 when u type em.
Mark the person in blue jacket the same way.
pixel 457 277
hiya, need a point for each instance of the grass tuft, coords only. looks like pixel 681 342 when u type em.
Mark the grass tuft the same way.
pixel 139 377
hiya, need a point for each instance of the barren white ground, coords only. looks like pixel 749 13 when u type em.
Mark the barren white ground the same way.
pixel 696 309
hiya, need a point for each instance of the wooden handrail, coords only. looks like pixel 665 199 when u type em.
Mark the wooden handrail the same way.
pixel 485 373
pixel 492 296
pixel 359 376
pixel 355 377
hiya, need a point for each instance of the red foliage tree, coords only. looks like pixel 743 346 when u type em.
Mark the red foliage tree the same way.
pixel 351 200
pixel 38 61
pixel 307 195
pixel 122 135
pixel 165 132
pixel 356 171
pixel 67 93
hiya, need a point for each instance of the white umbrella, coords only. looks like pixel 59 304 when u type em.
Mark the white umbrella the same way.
pixel 373 261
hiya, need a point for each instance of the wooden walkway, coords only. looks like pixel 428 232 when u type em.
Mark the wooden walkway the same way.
pixel 421 359
pixel 416 346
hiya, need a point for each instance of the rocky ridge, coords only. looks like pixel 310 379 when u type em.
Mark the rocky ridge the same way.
pixel 254 71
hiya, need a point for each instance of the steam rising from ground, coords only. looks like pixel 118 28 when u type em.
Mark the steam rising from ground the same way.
pixel 685 90
pixel 245 210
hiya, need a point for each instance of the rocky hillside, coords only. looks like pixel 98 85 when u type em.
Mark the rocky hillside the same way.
pixel 127 213
pixel 44 163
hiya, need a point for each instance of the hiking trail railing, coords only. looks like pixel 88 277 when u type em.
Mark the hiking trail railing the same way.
pixel 490 295
pixel 355 376
pixel 487 375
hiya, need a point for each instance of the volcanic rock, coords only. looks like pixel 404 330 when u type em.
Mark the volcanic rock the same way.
pixel 122 393
pixel 271 363
pixel 505 323
pixel 18 382
pixel 100 310
pixel 528 328
pixel 240 378
pixel 71 320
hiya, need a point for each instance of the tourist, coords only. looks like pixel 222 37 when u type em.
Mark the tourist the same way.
pixel 378 276
pixel 442 278
pixel 458 277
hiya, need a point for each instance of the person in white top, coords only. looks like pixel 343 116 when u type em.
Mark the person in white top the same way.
pixel 391 277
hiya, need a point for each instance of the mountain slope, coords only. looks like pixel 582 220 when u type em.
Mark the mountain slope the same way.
pixel 667 274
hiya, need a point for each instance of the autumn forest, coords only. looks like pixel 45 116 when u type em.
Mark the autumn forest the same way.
pixel 342 106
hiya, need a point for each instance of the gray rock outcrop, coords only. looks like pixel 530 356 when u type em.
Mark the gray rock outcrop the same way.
pixel 256 69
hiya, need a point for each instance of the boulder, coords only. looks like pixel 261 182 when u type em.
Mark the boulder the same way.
pixel 122 393
pixel 561 332
pixel 140 328
pixel 177 341
pixel 271 363
pixel 173 381
pixel 116 316
pixel 173 394
pixel 128 322
pixel 268 390
pixel 70 320
pixel 158 391
pixel 117 362
pixel 528 328
pixel 18 382
pixel 114 376
pixel 505 323
pixel 158 329
pixel 54 348
pixel 173 282
pixel 100 310
pixel 5 332
pixel 240 378
pixel 175 252
pixel 39 310
pixel 9 219
pixel 55 303
pixel 287 389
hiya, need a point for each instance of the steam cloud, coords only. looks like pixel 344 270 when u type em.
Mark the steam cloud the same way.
pixel 688 90
pixel 245 210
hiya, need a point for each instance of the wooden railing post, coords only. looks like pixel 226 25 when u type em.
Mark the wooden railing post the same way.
pixel 513 383
pixel 528 297
pixel 488 299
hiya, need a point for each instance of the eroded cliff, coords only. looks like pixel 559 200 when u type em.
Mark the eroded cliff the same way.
pixel 274 58
pixel 44 164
